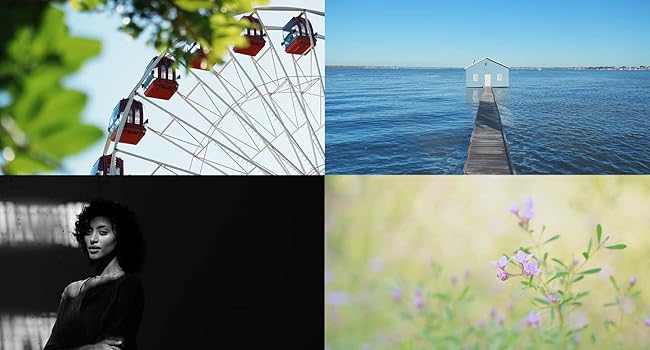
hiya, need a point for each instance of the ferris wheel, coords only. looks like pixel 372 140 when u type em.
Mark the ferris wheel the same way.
pixel 260 112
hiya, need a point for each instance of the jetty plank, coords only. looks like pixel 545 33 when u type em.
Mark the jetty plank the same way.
pixel 488 148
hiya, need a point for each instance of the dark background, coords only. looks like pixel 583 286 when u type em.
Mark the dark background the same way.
pixel 230 260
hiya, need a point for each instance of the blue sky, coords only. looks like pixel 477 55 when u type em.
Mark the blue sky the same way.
pixel 515 32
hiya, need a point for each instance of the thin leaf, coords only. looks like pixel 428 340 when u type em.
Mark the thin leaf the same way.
pixel 613 280
pixel 599 232
pixel 559 274
pixel 552 239
pixel 617 246
pixel 540 300
pixel 589 247
pixel 591 271
pixel 463 293
pixel 559 262
pixel 586 255
pixel 578 279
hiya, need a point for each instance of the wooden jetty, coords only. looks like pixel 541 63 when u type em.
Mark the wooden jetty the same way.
pixel 488 148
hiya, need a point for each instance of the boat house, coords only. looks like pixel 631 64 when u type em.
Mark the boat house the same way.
pixel 487 72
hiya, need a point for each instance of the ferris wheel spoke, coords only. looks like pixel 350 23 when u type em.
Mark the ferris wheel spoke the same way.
pixel 214 124
pixel 294 143
pixel 225 147
pixel 238 103
pixel 251 114
pixel 173 142
pixel 315 57
pixel 292 88
pixel 159 163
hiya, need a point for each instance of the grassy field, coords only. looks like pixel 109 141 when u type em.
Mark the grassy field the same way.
pixel 408 262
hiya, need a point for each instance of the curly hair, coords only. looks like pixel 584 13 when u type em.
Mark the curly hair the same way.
pixel 130 249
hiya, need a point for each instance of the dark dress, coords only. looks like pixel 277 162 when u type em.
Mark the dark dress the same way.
pixel 110 309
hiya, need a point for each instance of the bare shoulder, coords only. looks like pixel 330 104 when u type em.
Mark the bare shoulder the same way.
pixel 72 289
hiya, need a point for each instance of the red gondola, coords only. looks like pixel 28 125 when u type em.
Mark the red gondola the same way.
pixel 254 36
pixel 300 36
pixel 199 57
pixel 134 127
pixel 164 83
pixel 103 165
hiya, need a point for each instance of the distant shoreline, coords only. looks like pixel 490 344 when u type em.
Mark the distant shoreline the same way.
pixel 609 68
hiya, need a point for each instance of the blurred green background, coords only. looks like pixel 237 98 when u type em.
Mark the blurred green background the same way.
pixel 387 236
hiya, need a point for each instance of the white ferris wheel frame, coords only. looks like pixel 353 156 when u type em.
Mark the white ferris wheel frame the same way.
pixel 317 169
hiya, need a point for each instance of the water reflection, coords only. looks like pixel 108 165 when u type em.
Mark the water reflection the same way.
pixel 473 95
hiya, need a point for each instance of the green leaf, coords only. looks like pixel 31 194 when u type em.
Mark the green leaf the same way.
pixel 559 262
pixel 85 5
pixel 589 247
pixel 582 294
pixel 69 141
pixel 578 279
pixel 552 239
pixel 442 296
pixel 576 330
pixel 591 271
pixel 24 164
pixel 610 304
pixel 540 300
pixel 194 5
pixel 406 345
pixel 608 323
pixel 616 246
pixel 463 293
pixel 559 274
pixel 75 51
pixel 599 232
pixel 613 280
pixel 586 255
pixel 62 109
pixel 552 314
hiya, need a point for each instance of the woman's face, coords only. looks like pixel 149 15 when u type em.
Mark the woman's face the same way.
pixel 100 239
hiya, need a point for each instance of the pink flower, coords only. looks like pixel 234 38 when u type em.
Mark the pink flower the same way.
pixel 532 319
pixel 419 300
pixel 514 209
pixel 553 299
pixel 647 321
pixel 531 268
pixel 337 298
pixel 396 294
pixel 502 275
pixel 528 209
pixel 522 258
pixel 501 263
pixel 632 281
pixel 500 320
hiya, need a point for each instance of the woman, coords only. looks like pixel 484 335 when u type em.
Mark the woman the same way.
pixel 103 311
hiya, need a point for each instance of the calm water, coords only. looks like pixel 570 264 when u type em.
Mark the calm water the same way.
pixel 419 121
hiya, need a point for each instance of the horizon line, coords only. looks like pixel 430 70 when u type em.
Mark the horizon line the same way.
pixel 462 67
